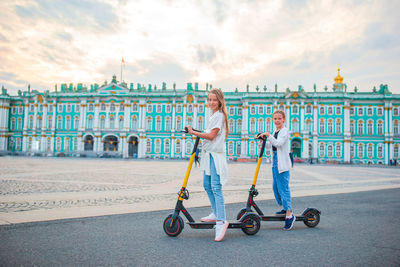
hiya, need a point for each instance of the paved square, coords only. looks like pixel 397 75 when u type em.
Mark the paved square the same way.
pixel 38 189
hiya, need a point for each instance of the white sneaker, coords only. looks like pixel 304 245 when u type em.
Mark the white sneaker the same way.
pixel 220 230
pixel 209 218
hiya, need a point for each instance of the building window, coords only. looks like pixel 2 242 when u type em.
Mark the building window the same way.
pixel 231 125
pixel 321 150
pixel 59 122
pixel 177 146
pixel 121 107
pixel 21 108
pixel 282 107
pixel 240 111
pixel 260 110
pixel 168 108
pixel 158 108
pixel 103 107
pixel 338 110
pixel 369 111
pixel 380 128
pixel 134 122
pixel 67 144
pixel 369 151
pixel 158 123
pixel 102 122
pixel 189 147
pixel 379 111
pixel 252 110
pixel 200 123
pixel 239 126
pixel 360 111
pixel 18 144
pixel 395 151
pixel 49 122
pixel 135 107
pixel 330 150
pixel 321 110
pixel 91 107
pixel 295 125
pixel 77 108
pixel 58 144
pixel 69 108
pixel 231 111
pixel 112 121
pixel 360 128
pixel 352 111
pixel 148 146
pixel 269 125
pixel 76 123
pixel 112 107
pixel 201 108
pixel 60 107
pixel 149 108
pixel 239 148
pixel 269 110
pixel 330 110
pixel 295 109
pixel 190 108
pixel 252 148
pixel 395 128
pixel 149 124
pixel 395 112
pixel 352 128
pixel 179 108
pixel 360 150
pixel 230 148
pixel 178 123
pixel 260 125
pixel 167 146
pixel 121 122
pixel 369 127
pixel 168 124
pixel 39 122
pixel 308 109
pixel 352 151
pixel 157 148
pixel 90 122
pixel 330 126
pixel 322 126
pixel 19 124
pixel 338 126
pixel 189 121
pixel 252 125
pixel 75 144
pixel 338 150
pixel 309 125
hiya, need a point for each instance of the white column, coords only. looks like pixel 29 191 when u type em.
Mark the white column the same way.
pixel 347 134
pixel 82 117
pixel 386 110
pixel 183 145
pixel 195 106
pixel 173 116
pixel 302 118
pixel 25 128
pixel 127 116
pixel 172 146
pixel 35 115
pixel 96 125
pixel 315 132
pixel 287 114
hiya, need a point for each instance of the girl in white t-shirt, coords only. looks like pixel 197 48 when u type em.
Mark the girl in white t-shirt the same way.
pixel 213 160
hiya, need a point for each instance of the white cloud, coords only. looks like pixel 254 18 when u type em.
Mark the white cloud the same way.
pixel 226 43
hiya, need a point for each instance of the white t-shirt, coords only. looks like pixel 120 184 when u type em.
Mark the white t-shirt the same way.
pixel 216 148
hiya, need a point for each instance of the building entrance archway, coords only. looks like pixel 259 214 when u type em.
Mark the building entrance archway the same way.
pixel 296 148
pixel 133 146
pixel 110 143
pixel 88 143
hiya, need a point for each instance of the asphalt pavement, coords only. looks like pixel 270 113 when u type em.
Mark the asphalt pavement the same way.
pixel 356 229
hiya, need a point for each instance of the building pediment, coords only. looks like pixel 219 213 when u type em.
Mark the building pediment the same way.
pixel 112 89
pixel 296 95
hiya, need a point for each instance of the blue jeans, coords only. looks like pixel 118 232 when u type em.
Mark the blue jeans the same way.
pixel 280 185
pixel 213 187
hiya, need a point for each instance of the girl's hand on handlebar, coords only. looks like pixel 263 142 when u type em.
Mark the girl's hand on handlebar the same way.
pixel 189 128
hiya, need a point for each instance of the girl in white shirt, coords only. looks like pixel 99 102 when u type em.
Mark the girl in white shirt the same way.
pixel 280 146
pixel 213 160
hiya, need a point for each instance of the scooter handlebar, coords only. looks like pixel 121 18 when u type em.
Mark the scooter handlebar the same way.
pixel 258 136
pixel 187 131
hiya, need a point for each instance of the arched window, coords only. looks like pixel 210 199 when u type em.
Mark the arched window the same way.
pixel 238 148
pixel 361 150
pixel 309 125
pixel 91 107
pixel 121 122
pixel 39 122
pixel 90 122
pixel 178 123
pixel 103 107
pixel 330 150
pixel 19 124
pixel 112 107
pixel 238 125
pixel 321 150
pixel 30 122
pixel 252 125
pixel 49 122
pixel 369 127
pixel 200 123
pixel 158 124
pixel 252 148
pixel 48 145
pixel 395 151
pixel 330 126
pixel 134 123
pixel 148 146
pixel 75 144
pixel 230 148
pixel 380 151
pixel 338 126
pixel 396 128
pixel 112 121
pixel 18 144
pixel 295 125
pixel 260 125
pixel 308 109
pixel 167 146
pixel 67 144
pixel 352 127
pixel 76 123
pixel 231 125
pixel 370 150
pixel 269 125
pixel 168 124
pixel 59 122
pixel 189 147
pixel 321 126
pixel 68 123
pixel 189 121
pixel 360 128
pixel 177 146
pixel 157 148
pixel 295 109
pixel 380 128
pixel 102 122
pixel 12 125
pixel 338 150
pixel 149 124
pixel 58 144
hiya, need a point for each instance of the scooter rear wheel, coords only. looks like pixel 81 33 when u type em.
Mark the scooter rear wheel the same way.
pixel 252 224
pixel 312 217
pixel 240 214
pixel 174 228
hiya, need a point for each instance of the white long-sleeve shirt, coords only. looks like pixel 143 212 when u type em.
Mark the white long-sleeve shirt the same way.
pixel 282 145
pixel 216 148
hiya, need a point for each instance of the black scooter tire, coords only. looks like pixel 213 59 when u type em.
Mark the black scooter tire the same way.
pixel 240 214
pixel 312 217
pixel 176 227
pixel 253 220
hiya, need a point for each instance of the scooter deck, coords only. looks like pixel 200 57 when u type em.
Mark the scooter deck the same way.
pixel 277 218
pixel 210 225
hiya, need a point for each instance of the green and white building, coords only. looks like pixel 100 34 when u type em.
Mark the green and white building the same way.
pixel 136 121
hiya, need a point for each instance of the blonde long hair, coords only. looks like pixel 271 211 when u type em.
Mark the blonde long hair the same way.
pixel 222 107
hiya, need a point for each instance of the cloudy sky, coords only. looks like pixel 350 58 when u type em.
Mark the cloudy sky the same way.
pixel 226 43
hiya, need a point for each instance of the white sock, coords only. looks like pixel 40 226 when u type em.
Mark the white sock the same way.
pixel 289 217
pixel 220 222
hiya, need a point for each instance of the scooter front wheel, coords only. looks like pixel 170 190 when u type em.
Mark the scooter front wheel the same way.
pixel 312 217
pixel 251 224
pixel 173 228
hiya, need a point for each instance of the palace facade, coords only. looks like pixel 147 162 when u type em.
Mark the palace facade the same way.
pixel 121 120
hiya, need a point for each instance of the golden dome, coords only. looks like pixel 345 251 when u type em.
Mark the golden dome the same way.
pixel 338 78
